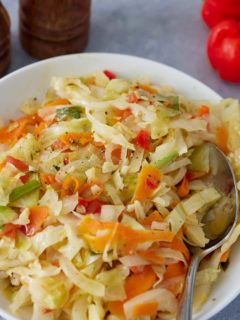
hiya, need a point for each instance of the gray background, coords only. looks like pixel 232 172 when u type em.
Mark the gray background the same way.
pixel 168 31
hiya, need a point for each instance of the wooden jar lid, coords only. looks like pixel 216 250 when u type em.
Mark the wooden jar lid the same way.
pixel 51 27
pixel 4 40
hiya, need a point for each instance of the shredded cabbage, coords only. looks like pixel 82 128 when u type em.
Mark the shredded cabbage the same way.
pixel 49 292
pixel 74 244
pixel 110 212
pixel 123 196
pixel 80 280
pixel 176 218
pixel 79 309
pixel 50 199
pixel 198 200
pixel 48 237
pixel 21 299
pixel 114 283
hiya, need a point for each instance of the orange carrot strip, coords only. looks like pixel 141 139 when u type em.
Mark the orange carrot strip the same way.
pixel 180 233
pixel 90 226
pixel 98 244
pixel 126 237
pixel 70 186
pixel 225 255
pixel 132 98
pixel 57 102
pixel 2 164
pixel 130 238
pixel 98 144
pixel 135 284
pixel 179 245
pixel 39 129
pixel 147 88
pixel 154 216
pixel 56 263
pixel 138 283
pixel 174 270
pixel 116 308
pixel 222 139
pixel 152 256
pixel 11 136
pixel 116 155
pixel 203 110
pixel 76 139
pixel 48 178
pixel 122 114
pixel 183 189
pixel 9 230
pixel 145 309
pixel 148 181
pixel 37 216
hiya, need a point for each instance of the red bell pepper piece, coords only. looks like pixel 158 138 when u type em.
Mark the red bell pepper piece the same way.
pixel 215 11
pixel 93 206
pixel 109 74
pixel 25 178
pixel 223 49
pixel 143 140
pixel 20 165
pixel 151 184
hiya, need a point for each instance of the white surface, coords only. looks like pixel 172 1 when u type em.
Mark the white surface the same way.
pixel 33 80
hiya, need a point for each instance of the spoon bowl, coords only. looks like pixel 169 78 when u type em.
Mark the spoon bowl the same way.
pixel 219 220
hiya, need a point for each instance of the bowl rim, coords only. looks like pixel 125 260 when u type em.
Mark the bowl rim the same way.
pixel 106 54
pixel 221 305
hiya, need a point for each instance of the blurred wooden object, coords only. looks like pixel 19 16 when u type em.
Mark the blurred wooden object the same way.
pixel 54 27
pixel 4 40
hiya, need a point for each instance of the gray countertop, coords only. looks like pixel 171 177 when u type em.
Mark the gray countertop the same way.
pixel 168 31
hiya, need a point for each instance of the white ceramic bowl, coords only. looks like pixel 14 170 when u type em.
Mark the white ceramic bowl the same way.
pixel 33 80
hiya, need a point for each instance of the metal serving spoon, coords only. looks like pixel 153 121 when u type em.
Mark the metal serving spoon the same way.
pixel 223 179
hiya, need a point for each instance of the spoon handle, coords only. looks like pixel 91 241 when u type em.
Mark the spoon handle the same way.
pixel 185 308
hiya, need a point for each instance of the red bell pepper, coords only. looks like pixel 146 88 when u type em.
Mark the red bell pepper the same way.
pixel 143 140
pixel 223 50
pixel 25 178
pixel 109 74
pixel 93 206
pixel 215 11
pixel 20 165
